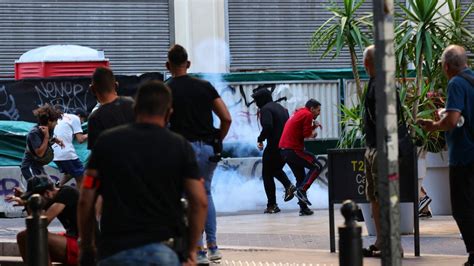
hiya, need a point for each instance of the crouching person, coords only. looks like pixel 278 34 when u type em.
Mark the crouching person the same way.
pixel 59 203
pixel 142 170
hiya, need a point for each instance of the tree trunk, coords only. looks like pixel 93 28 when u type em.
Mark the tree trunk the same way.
pixel 355 71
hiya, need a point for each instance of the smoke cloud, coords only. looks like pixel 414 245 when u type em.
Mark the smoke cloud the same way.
pixel 237 183
pixel 235 191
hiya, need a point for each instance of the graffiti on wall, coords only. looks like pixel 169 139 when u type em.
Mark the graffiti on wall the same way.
pixel 19 97
pixel 10 177
pixel 8 110
pixel 67 95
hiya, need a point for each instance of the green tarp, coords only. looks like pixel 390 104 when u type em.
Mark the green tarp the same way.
pixel 320 74
pixel 13 143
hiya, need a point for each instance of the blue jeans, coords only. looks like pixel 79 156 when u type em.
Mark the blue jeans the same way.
pixel 206 170
pixel 151 254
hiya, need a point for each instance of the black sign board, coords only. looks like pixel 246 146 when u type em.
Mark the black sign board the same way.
pixel 346 169
pixel 346 172
pixel 347 178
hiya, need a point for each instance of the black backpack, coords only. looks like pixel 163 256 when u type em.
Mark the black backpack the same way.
pixel 47 157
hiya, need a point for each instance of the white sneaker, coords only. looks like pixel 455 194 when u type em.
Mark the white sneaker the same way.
pixel 214 253
pixel 202 257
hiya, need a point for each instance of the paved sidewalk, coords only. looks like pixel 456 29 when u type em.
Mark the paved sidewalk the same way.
pixel 250 239
pixel 299 257
pixel 438 235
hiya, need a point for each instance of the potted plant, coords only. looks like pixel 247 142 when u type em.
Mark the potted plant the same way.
pixel 420 39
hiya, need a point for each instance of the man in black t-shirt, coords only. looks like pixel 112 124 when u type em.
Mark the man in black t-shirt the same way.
pixel 194 101
pixel 142 171
pixel 61 203
pixel 113 111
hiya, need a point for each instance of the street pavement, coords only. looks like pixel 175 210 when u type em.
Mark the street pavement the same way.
pixel 288 239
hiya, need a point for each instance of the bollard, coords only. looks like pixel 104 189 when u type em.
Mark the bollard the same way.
pixel 37 233
pixel 350 241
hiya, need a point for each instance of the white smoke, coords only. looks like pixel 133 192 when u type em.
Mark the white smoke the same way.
pixel 232 193
pixel 239 187
pixel 242 136
pixel 212 56
pixel 235 186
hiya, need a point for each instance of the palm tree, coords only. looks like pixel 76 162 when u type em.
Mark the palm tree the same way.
pixel 423 35
pixel 458 32
pixel 344 29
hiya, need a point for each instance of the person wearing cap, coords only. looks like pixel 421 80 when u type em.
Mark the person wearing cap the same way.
pixel 273 117
pixel 69 128
pixel 39 142
pixel 302 125
pixel 60 203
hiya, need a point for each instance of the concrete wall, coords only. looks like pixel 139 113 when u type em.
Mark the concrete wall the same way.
pixel 200 28
pixel 10 177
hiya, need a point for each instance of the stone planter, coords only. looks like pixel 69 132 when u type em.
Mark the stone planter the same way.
pixel 406 218
pixel 436 183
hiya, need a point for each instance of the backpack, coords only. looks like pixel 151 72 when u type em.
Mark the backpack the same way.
pixel 47 157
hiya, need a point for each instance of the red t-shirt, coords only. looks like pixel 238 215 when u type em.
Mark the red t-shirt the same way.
pixel 297 128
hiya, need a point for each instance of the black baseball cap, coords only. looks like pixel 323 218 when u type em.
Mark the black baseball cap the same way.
pixel 37 185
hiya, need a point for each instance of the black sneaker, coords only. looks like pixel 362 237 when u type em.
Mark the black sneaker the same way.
pixel 425 215
pixel 425 201
pixel 306 211
pixel 371 251
pixel 289 193
pixel 301 195
pixel 272 209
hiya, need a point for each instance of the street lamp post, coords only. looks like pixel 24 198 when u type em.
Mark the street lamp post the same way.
pixel 387 137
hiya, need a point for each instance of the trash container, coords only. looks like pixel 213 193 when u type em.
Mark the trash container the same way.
pixel 59 61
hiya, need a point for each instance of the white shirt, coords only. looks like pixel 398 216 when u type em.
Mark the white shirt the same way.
pixel 65 130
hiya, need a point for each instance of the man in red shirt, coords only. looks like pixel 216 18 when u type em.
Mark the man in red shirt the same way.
pixel 299 127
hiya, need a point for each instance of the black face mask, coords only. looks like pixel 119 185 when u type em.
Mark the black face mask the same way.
pixel 263 99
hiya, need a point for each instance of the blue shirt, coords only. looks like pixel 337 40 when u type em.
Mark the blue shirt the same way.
pixel 461 139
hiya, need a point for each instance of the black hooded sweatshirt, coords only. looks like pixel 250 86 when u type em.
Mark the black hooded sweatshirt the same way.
pixel 273 117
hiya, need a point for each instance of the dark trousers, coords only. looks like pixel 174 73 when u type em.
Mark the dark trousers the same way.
pixel 298 160
pixel 30 168
pixel 273 168
pixel 461 179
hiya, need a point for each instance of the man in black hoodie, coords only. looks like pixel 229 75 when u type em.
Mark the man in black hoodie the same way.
pixel 273 117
